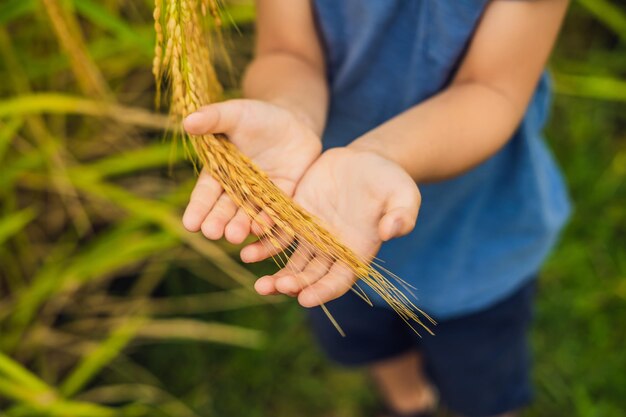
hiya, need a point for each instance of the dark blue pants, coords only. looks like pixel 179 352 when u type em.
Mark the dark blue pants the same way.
pixel 480 362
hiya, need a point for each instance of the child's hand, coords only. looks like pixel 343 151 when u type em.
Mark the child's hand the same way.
pixel 275 139
pixel 364 199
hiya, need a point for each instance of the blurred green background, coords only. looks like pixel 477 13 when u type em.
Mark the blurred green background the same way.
pixel 109 308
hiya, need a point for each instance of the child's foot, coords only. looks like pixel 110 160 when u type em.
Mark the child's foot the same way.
pixel 425 404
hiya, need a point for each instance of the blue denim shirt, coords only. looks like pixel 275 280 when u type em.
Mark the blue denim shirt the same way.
pixel 481 235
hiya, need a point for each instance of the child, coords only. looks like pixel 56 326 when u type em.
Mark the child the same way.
pixel 447 94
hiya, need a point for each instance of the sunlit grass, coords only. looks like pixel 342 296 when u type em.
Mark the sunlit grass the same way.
pixel 91 215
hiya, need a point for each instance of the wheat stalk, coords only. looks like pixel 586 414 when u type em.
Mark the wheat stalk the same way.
pixel 182 55
pixel 72 41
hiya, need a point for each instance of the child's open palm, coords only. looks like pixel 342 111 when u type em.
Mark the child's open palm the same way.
pixel 364 199
pixel 279 143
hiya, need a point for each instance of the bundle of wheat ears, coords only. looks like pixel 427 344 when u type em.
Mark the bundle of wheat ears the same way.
pixel 183 59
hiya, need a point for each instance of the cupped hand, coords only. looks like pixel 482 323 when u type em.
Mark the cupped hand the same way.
pixel 364 199
pixel 275 139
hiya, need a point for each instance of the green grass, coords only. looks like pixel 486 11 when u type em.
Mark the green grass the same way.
pixel 109 308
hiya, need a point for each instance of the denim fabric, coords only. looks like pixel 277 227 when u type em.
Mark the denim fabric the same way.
pixel 479 235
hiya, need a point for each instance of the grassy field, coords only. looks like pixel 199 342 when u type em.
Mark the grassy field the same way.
pixel 108 307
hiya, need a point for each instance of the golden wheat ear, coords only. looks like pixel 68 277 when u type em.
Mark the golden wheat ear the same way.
pixel 183 59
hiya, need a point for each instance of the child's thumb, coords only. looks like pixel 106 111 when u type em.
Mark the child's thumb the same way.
pixel 221 117
pixel 400 215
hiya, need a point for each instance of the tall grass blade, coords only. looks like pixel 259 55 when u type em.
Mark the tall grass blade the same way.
pixel 168 220
pixel 7 131
pixel 95 360
pixel 57 103
pixel 109 253
pixel 611 15
pixel 13 371
pixel 127 162
pixel 138 392
pixel 100 16
pixel 239 13
pixel 71 40
pixel 188 329
pixel 15 169
pixel 61 408
pixel 12 9
pixel 589 86
pixel 14 223
pixel 45 140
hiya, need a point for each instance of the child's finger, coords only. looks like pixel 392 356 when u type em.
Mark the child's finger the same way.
pixel 309 272
pixel 297 262
pixel 299 259
pixel 238 228
pixel 293 283
pixel 266 247
pixel 203 197
pixel 283 272
pixel 257 251
pixel 261 224
pixel 215 222
pixel 334 284
pixel 400 213
pixel 265 286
